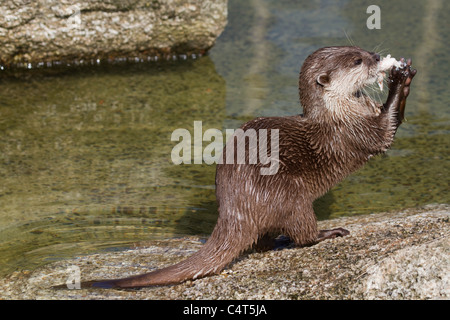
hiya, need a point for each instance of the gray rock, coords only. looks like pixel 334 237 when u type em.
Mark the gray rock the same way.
pixel 34 32
pixel 417 272
pixel 402 255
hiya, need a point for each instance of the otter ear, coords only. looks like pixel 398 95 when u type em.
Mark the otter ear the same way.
pixel 323 79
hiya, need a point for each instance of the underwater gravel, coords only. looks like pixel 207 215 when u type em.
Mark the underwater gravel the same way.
pixel 401 255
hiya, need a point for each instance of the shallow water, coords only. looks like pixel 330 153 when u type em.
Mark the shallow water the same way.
pixel 85 158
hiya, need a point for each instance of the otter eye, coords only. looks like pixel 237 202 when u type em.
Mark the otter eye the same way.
pixel 358 62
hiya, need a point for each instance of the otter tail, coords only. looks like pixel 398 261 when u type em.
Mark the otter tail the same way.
pixel 221 248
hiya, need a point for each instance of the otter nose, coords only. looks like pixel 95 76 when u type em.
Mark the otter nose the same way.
pixel 376 56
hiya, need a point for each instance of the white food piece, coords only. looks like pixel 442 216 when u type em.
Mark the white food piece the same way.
pixel 386 64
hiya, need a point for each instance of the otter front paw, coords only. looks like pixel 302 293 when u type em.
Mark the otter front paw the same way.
pixel 400 78
pixel 399 86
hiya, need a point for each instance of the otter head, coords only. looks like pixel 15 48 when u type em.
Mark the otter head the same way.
pixel 332 75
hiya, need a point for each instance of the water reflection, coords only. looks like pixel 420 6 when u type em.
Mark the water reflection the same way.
pixel 86 155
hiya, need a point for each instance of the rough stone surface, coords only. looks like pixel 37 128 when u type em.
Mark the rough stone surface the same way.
pixel 34 32
pixel 403 255
pixel 417 272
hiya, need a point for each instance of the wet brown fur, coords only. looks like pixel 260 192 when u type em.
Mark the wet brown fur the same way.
pixel 339 131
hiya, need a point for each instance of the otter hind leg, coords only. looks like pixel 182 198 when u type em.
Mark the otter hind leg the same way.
pixel 303 231
pixel 332 233
pixel 324 235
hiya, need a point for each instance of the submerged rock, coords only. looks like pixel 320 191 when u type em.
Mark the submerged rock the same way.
pixel 37 32
pixel 402 255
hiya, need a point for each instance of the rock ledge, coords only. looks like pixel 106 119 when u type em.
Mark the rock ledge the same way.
pixel 402 255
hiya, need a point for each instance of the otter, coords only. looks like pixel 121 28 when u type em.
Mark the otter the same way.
pixel 339 130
